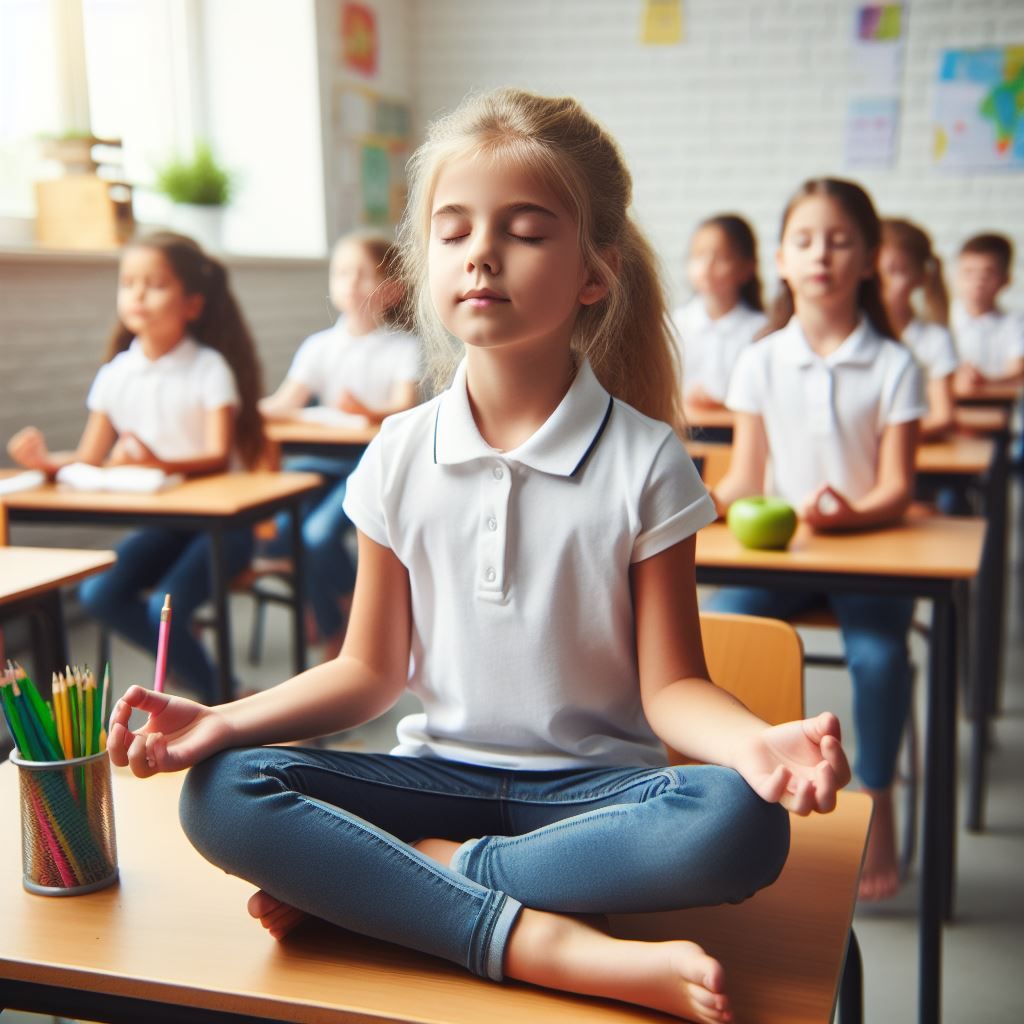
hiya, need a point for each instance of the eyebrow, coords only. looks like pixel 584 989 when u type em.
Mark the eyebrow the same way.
pixel 454 209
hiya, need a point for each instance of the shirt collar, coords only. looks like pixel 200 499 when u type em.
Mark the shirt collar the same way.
pixel 859 348
pixel 182 353
pixel 560 446
pixel 727 322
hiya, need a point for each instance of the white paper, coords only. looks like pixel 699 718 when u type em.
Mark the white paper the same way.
pixel 25 481
pixel 80 476
pixel 331 417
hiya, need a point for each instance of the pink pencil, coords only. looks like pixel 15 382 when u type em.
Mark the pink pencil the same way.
pixel 161 645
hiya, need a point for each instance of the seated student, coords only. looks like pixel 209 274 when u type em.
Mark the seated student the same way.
pixel 178 391
pixel 990 341
pixel 726 313
pixel 907 263
pixel 360 365
pixel 827 417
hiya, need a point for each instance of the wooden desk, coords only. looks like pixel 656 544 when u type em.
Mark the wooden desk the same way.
pixel 213 504
pixel 173 941
pixel 293 436
pixel 709 424
pixel 990 394
pixel 933 559
pixel 30 582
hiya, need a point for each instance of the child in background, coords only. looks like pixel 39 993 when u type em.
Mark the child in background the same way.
pixel 830 404
pixel 527 536
pixel 726 314
pixel 178 391
pixel 906 263
pixel 360 365
pixel 990 342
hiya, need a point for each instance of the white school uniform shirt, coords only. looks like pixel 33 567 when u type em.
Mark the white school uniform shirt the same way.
pixel 523 647
pixel 824 417
pixel 990 341
pixel 164 401
pixel 933 347
pixel 369 366
pixel 708 349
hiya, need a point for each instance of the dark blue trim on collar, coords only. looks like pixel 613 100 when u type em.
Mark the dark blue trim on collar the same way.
pixel 597 436
pixel 437 416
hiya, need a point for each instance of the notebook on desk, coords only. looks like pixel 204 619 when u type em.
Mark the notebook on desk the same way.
pixel 80 476
pixel 331 417
pixel 26 481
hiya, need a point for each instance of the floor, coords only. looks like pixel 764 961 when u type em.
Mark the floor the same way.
pixel 982 979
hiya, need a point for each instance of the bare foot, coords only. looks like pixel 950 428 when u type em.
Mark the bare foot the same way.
pixel 566 953
pixel 880 879
pixel 277 917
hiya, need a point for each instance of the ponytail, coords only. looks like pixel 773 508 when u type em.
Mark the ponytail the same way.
pixel 914 242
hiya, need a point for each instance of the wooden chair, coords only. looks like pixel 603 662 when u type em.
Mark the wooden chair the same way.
pixel 787 949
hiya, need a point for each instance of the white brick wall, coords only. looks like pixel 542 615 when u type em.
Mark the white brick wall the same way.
pixel 751 103
pixel 57 311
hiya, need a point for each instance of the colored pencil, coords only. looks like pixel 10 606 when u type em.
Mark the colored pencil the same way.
pixel 160 672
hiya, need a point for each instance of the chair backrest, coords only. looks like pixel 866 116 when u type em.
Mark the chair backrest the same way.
pixel 760 661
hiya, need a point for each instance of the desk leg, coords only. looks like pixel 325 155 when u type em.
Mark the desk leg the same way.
pixel 225 672
pixel 298 590
pixel 937 856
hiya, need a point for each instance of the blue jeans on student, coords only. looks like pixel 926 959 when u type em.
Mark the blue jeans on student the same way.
pixel 329 832
pixel 150 563
pixel 329 570
pixel 875 637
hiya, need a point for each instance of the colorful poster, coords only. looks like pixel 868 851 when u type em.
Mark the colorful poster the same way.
pixel 877 47
pixel 979 109
pixel 872 131
pixel 663 23
pixel 359 38
pixel 376 184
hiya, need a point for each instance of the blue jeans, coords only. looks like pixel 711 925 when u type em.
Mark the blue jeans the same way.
pixel 875 637
pixel 329 571
pixel 161 562
pixel 330 831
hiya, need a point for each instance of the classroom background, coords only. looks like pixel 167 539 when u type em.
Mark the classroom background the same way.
pixel 314 105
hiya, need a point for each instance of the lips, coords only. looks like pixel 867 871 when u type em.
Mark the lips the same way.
pixel 482 297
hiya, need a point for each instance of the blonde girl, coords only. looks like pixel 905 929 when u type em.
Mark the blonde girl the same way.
pixel 827 417
pixel 527 537
pixel 907 264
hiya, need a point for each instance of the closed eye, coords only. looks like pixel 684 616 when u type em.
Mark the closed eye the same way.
pixel 450 239
pixel 528 239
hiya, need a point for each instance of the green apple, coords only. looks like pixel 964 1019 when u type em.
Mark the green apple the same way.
pixel 761 522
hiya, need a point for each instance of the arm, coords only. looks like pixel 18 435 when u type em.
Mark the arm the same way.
pixel 403 396
pixel 218 430
pixel 363 682
pixel 28 447
pixel 886 502
pixel 939 419
pixel 286 400
pixel 800 764
pixel 746 464
pixel 1014 373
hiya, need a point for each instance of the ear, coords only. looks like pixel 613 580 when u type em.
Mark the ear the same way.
pixel 779 267
pixel 194 304
pixel 871 269
pixel 594 287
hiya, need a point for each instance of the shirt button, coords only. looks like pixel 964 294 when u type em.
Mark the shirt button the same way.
pixel 498 472
pixel 490 575
pixel 492 523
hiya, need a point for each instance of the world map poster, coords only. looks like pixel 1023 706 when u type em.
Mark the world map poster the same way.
pixel 979 109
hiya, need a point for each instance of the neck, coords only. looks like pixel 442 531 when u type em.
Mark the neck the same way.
pixel 155 347
pixel 358 324
pixel 900 317
pixel 512 394
pixel 716 306
pixel 976 309
pixel 826 329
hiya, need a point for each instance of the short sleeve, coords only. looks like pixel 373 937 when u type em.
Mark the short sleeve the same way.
pixel 364 501
pixel 307 366
pixel 942 358
pixel 907 398
pixel 1015 339
pixel 674 504
pixel 98 399
pixel 217 386
pixel 746 390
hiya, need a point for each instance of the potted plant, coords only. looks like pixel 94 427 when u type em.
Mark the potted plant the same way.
pixel 199 188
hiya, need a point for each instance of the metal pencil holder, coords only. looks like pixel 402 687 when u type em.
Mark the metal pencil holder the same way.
pixel 68 845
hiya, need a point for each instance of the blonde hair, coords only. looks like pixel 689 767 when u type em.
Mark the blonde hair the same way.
pixel 914 242
pixel 626 336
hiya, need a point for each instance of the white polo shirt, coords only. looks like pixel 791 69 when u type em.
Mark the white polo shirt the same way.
pixel 524 647
pixel 369 366
pixel 933 347
pixel 708 349
pixel 164 401
pixel 825 417
pixel 990 341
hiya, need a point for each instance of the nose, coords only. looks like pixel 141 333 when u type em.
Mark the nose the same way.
pixel 482 253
